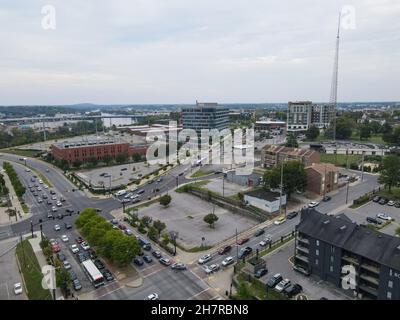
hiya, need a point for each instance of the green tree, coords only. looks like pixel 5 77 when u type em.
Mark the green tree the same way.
pixel 152 233
pixel 77 163
pixel 390 172
pixel 387 133
pixel 165 200
pixel 365 131
pixel 398 231
pixel 344 128
pixel 312 133
pixel 165 239
pixel 136 157
pixel 210 219
pixel 125 249
pixel 93 161
pixel 121 158
pixel 107 159
pixel 291 141
pixel 62 278
pixel 294 177
pixel 243 291
pixel 159 226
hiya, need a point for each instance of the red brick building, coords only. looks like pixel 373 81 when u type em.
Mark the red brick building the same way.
pixel 273 155
pixel 84 150
pixel 322 178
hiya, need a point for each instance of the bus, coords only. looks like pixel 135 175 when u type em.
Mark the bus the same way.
pixel 95 276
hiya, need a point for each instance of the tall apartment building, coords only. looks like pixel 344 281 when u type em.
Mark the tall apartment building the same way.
pixel 272 155
pixel 326 244
pixel 302 114
pixel 205 116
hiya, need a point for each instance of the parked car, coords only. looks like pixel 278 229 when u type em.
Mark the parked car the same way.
pixel 128 232
pixel 64 238
pixel 74 248
pixel 82 257
pixel 390 203
pixel 107 275
pixel 165 261
pixel 383 201
pixel 376 199
pixel 68 226
pixel 313 204
pixel 212 268
pixel 259 232
pixel 57 227
pixel 98 264
pixel 301 270
pixel 266 241
pixel 40 200
pixel 69 210
pixel 18 288
pixel 77 285
pixel 156 254
pixel 66 265
pixel 137 261
pixel 178 266
pixel 279 221
pixel 397 204
pixel 153 296
pixel 292 215
pixel 79 240
pixel 260 273
pixel 61 256
pixel 205 259
pixel 85 246
pixel 293 290
pixel 373 220
pixel 72 275
pixel 282 285
pixel 227 261
pixel 147 259
pixel 224 250
pixel 92 254
pixel 55 248
pixel 244 252
pixel 274 280
pixel 242 241
pixel 326 198
pixel 384 216
pixel 54 209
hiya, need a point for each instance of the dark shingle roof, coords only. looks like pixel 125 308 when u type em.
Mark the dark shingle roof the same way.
pixel 263 194
pixel 341 232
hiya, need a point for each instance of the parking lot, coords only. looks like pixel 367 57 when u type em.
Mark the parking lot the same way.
pixel 230 189
pixel 313 288
pixel 185 215
pixel 116 175
pixel 371 209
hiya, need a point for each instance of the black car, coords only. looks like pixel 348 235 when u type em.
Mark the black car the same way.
pixel 137 261
pixel 326 198
pixel 383 201
pixel 61 256
pixel 77 285
pixel 274 280
pixel 147 259
pixel 107 275
pixel 373 220
pixel 68 226
pixel 301 270
pixel 397 204
pixel 376 199
pixel 292 290
pixel 72 275
pixel 69 210
pixel 98 264
pixel 156 254
pixel 245 252
pixel 49 202
pixel 50 216
pixel 60 216
pixel 292 215
pixel 82 257
pixel 178 266
pixel 147 247
pixel 260 273
pixel 92 254
pixel 259 232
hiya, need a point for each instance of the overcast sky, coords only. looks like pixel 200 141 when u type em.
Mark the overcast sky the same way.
pixel 177 51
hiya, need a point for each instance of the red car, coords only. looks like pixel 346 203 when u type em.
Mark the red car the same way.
pixel 121 226
pixel 79 240
pixel 55 248
pixel 243 240
pixel 224 250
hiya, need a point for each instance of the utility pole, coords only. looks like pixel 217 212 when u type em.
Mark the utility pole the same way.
pixel 32 228
pixel 223 185
pixel 347 192
pixel 281 191
pixel 362 167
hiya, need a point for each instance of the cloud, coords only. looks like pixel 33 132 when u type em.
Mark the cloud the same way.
pixel 155 51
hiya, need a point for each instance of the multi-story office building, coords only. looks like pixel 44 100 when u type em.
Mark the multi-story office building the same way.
pixel 329 246
pixel 272 155
pixel 303 114
pixel 205 116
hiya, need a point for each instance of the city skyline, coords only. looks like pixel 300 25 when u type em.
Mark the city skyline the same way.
pixel 149 52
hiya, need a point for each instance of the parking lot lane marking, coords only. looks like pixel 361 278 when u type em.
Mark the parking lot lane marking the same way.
pixel 8 292
pixel 192 297
pixel 291 261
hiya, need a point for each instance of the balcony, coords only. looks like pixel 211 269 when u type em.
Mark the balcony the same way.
pixel 368 267
pixel 369 279
pixel 303 249
pixel 301 257
pixel 368 290
pixel 350 260
pixel 304 240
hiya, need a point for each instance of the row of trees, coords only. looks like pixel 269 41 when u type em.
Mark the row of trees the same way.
pixel 3 188
pixel 16 183
pixel 110 243
pixel 390 172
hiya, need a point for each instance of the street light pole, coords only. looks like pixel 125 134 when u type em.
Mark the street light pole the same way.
pixel 347 191
pixel 281 190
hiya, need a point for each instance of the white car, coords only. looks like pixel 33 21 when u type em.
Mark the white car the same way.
pixel 64 238
pixel 57 227
pixel 313 204
pixel 54 209
pixel 66 264
pixel 53 198
pixel 27 170
pixel 282 285
pixel 153 296
pixel 266 241
pixel 227 261
pixel 40 181
pixel 212 268
pixel 74 248
pixel 384 216
pixel 59 204
pixel 46 186
pixel 85 246
pixel 18 288
pixel 279 221
pixel 205 259
pixel 390 203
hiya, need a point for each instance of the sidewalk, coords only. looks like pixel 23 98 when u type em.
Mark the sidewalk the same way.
pixel 15 204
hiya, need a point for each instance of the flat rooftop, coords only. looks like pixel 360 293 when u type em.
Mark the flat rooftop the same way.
pixel 81 144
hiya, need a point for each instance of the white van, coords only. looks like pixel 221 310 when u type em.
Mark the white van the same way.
pixel 120 193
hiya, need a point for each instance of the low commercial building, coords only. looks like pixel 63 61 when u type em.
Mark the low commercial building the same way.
pixel 330 246
pixel 265 200
pixel 272 155
pixel 250 180
pixel 322 178
pixel 98 149
pixel 269 125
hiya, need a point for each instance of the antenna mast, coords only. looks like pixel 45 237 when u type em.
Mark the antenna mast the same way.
pixel 334 85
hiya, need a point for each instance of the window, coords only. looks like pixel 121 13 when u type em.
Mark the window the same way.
pixel 390 284
pixel 317 243
pixel 317 252
pixel 389 295
pixel 316 262
pixel 332 258
pixel 331 268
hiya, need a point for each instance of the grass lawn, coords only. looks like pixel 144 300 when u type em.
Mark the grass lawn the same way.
pixel 23 153
pixel 340 159
pixel 394 195
pixel 374 138
pixel 25 207
pixel 32 272
pixel 258 289
pixel 200 173
pixel 198 184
